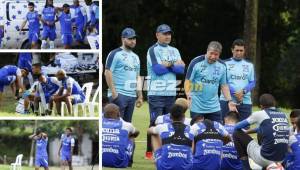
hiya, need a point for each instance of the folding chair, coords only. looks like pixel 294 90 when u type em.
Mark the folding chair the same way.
pixel 87 88
pixel 94 103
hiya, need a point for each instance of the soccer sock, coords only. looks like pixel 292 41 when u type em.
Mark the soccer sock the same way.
pixel 246 165
pixel 149 147
pixel 51 43
pixel 44 44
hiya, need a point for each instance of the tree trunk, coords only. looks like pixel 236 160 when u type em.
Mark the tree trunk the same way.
pixel 250 36
pixel 32 145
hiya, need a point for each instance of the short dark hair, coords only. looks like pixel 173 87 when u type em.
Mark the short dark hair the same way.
pixel 68 128
pixel 177 112
pixel 295 113
pixel 267 100
pixel 233 115
pixel 31 4
pixel 66 6
pixel 238 42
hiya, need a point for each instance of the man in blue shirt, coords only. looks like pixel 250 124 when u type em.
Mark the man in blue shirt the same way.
pixel 230 160
pixel 46 88
pixel 70 92
pixel 94 14
pixel 210 136
pixel 66 148
pixel 33 19
pixel 41 155
pixel 80 21
pixel 163 64
pixel 117 139
pixel 173 142
pixel 272 127
pixel 294 143
pixel 12 74
pixel 204 76
pixel 241 80
pixel 122 74
pixel 48 19
pixel 66 20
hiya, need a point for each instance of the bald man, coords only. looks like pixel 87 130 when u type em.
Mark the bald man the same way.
pixel 73 93
pixel 118 139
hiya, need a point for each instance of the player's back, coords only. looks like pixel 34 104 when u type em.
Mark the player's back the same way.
pixel 114 142
pixel 161 119
pixel 230 158
pixel 175 153
pixel 8 70
pixel 208 145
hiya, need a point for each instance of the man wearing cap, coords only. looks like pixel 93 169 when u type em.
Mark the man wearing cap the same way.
pixel 122 71
pixel 204 76
pixel 163 64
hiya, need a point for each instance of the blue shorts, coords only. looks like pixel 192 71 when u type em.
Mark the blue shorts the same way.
pixel 41 162
pixel 77 98
pixel 65 157
pixel 126 105
pixel 5 81
pixel 80 34
pixel 159 105
pixel 49 32
pixel 66 39
pixel 33 37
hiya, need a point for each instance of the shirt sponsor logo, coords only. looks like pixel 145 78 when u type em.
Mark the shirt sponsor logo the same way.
pixel 239 77
pixel 110 150
pixel 177 154
pixel 281 127
pixel 214 80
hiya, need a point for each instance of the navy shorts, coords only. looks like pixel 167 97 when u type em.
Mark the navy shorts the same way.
pixel 126 105
pixel 159 105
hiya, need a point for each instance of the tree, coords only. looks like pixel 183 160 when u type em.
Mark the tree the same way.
pixel 250 36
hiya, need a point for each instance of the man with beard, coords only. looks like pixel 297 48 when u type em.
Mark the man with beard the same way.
pixel 122 71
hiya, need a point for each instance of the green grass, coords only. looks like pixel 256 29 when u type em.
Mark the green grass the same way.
pixel 141 122
pixel 8 107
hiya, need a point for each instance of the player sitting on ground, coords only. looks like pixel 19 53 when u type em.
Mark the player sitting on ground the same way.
pixel 66 148
pixel 118 139
pixel 272 126
pixel 172 142
pixel 41 155
pixel 210 136
pixel 166 118
pixel 230 159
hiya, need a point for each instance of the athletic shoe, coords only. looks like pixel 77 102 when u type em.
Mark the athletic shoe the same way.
pixel 149 155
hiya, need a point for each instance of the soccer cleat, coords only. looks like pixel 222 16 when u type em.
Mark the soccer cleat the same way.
pixel 149 155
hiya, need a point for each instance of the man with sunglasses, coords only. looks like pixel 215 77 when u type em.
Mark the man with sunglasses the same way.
pixel 122 72
pixel 163 64
pixel 241 80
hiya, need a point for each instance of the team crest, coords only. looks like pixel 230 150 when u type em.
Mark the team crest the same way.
pixel 245 68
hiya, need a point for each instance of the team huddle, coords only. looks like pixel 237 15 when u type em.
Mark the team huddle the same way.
pixel 73 19
pixel 65 151
pixel 43 91
pixel 217 134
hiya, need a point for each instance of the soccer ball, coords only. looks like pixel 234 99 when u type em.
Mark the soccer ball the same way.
pixel 275 166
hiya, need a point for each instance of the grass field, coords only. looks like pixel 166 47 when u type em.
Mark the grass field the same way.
pixel 141 122
pixel 8 107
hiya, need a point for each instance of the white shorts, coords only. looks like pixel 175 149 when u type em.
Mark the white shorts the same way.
pixel 253 150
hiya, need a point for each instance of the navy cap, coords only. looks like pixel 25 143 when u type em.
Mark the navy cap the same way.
pixel 163 28
pixel 128 33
